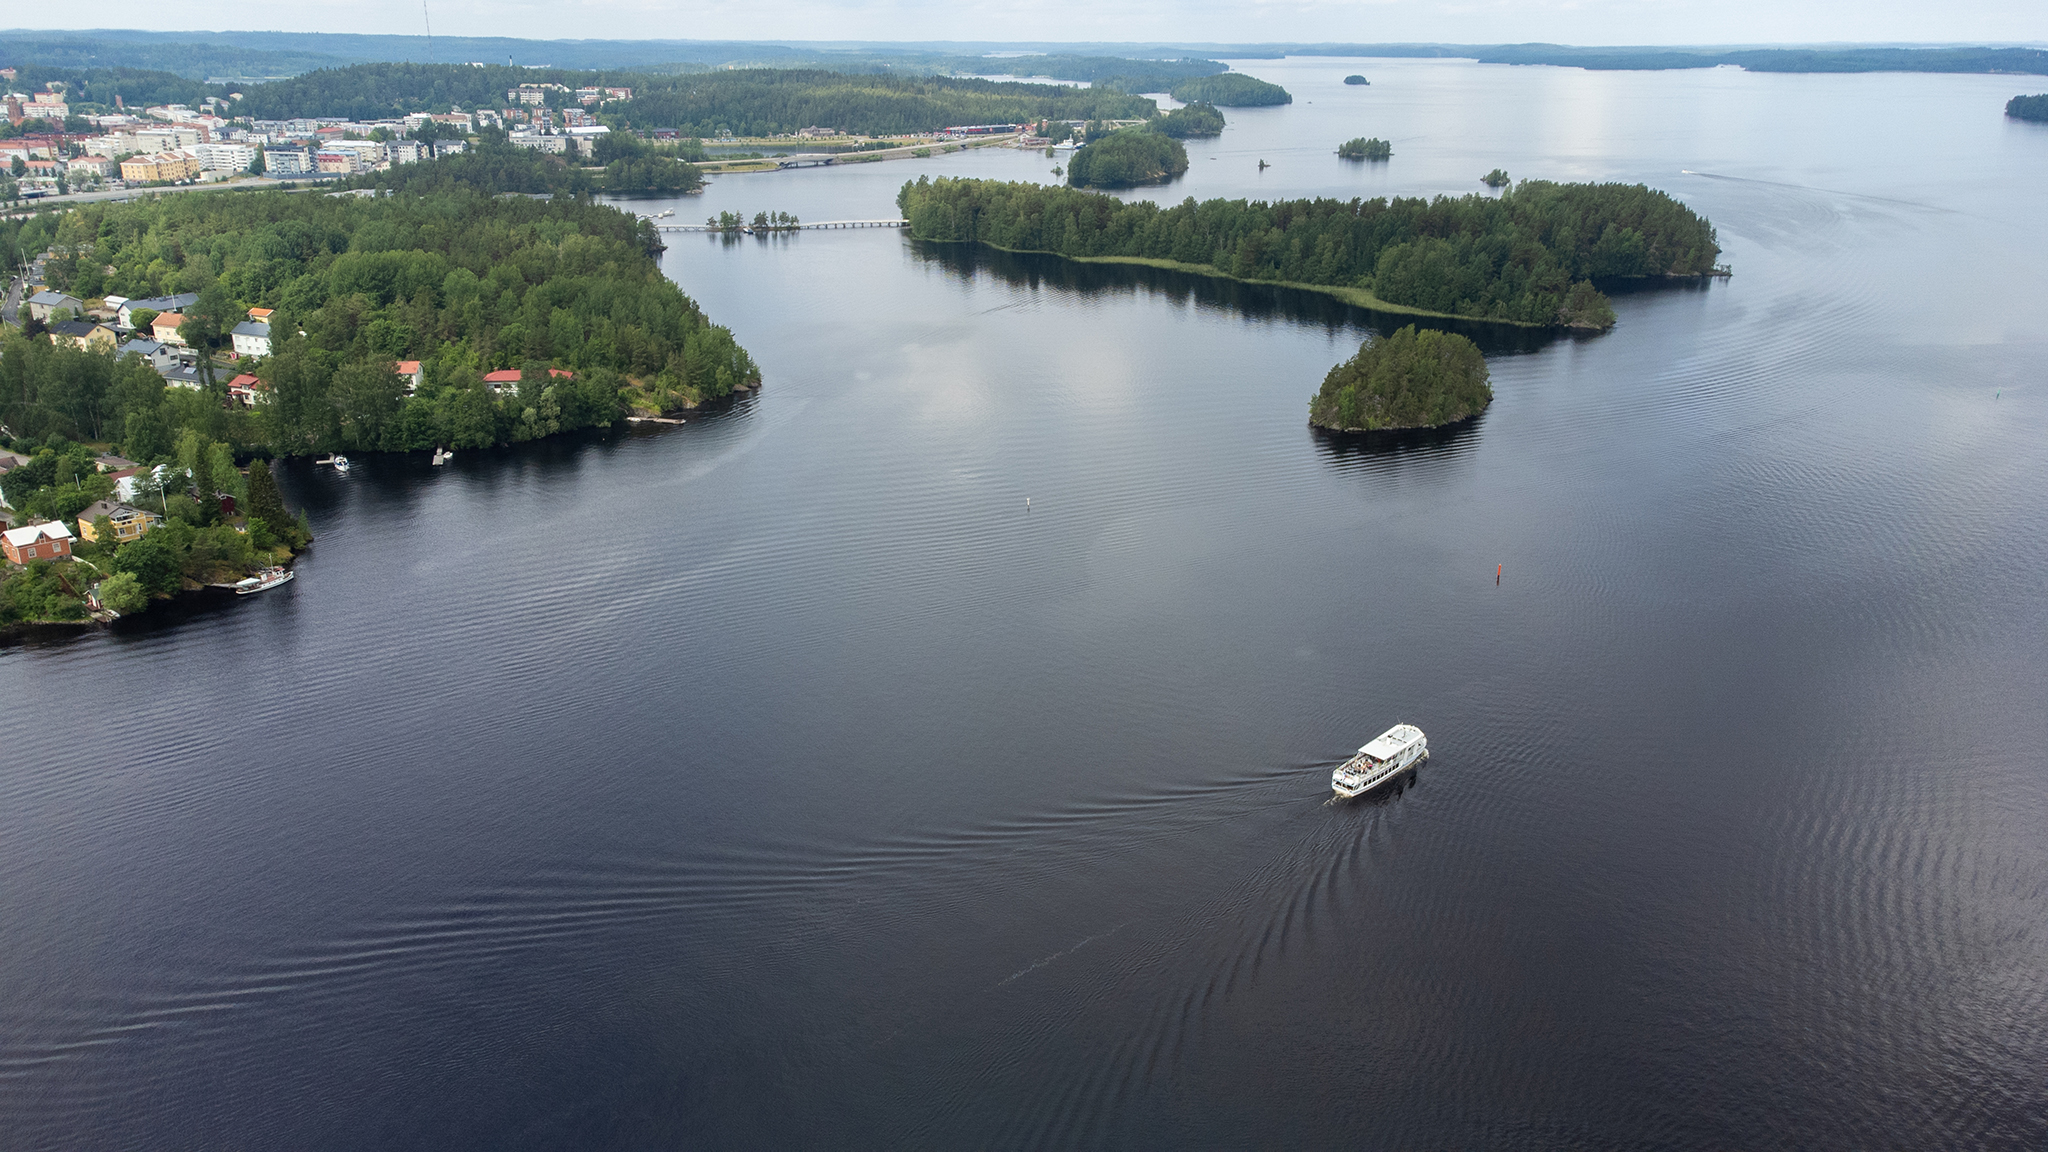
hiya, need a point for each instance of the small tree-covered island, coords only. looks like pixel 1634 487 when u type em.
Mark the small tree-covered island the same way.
pixel 1411 379
pixel 1527 257
pixel 1360 148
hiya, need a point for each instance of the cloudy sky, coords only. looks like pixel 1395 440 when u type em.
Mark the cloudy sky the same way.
pixel 1455 21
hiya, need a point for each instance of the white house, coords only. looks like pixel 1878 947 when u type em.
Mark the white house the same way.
pixel 45 302
pixel 252 338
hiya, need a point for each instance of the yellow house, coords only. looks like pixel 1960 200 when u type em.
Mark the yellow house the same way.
pixel 126 523
pixel 165 328
pixel 83 334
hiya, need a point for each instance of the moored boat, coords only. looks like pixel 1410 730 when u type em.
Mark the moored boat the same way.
pixel 1386 756
pixel 267 578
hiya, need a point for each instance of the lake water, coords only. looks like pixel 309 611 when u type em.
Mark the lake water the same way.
pixel 783 780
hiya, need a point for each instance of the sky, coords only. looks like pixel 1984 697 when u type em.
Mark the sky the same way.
pixel 1237 21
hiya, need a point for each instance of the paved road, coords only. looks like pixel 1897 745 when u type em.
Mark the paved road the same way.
pixel 30 207
pixel 13 305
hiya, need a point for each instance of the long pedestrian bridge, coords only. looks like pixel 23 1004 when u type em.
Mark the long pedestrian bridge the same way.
pixel 783 227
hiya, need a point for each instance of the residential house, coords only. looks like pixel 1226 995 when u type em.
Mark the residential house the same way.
pixel 125 522
pixel 414 375
pixel 107 462
pixel 251 338
pixel 9 461
pixel 243 389
pixel 165 327
pixel 584 139
pixel 449 147
pixel 82 334
pixel 37 542
pixel 183 376
pixel 154 304
pixel 130 484
pixel 160 355
pixel 47 301
pixel 507 379
pixel 261 315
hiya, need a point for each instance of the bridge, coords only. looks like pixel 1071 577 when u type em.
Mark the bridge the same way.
pixel 784 227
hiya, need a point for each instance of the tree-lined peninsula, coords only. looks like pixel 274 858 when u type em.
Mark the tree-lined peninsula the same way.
pixel 445 271
pixel 1411 379
pixel 2033 108
pixel 1527 256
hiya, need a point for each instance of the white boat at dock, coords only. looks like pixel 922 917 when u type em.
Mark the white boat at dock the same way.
pixel 1386 756
pixel 339 461
pixel 261 581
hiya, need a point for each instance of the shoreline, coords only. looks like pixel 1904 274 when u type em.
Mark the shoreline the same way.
pixel 837 159
pixel 1357 297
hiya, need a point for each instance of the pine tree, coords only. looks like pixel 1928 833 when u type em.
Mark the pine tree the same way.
pixel 265 503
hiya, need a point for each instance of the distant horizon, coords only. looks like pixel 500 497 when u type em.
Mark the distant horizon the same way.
pixel 1035 46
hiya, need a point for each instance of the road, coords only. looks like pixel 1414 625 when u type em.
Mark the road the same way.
pixel 30 207
pixel 12 308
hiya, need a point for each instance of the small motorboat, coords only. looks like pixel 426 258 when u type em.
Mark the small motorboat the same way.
pixel 340 463
pixel 266 579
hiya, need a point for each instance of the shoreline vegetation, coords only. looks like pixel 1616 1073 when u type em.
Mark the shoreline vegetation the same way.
pixel 1412 379
pixel 2034 108
pixel 213 525
pixel 1527 257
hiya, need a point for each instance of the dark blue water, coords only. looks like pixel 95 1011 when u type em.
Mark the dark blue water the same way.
pixel 782 780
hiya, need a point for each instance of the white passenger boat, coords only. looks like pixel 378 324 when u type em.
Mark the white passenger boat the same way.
pixel 268 578
pixel 1388 755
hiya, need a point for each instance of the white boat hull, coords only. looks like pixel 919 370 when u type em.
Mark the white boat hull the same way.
pixel 1365 772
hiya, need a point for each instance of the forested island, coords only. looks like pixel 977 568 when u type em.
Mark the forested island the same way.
pixel 1361 148
pixel 1527 256
pixel 1355 78
pixel 444 271
pixel 1411 379
pixel 1230 90
pixel 1191 121
pixel 2033 108
pixel 1126 158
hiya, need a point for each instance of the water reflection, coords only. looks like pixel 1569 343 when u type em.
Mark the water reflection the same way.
pixel 1254 301
pixel 1367 451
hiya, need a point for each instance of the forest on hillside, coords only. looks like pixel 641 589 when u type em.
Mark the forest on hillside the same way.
pixel 745 102
pixel 1527 256
pixel 445 271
